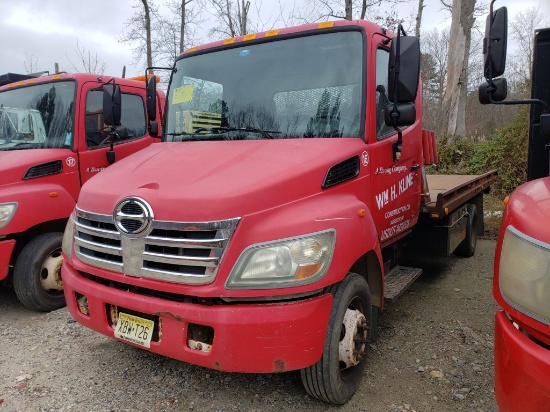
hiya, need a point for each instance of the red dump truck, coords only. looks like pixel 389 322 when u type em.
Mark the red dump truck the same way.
pixel 265 232
pixel 52 140
pixel 521 282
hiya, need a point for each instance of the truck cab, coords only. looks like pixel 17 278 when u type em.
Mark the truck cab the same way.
pixel 521 282
pixel 273 214
pixel 52 140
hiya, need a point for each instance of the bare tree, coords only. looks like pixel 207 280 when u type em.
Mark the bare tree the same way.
pixel 522 29
pixel 139 31
pixel 457 73
pixel 87 61
pixel 31 64
pixel 233 17
pixel 316 10
pixel 433 65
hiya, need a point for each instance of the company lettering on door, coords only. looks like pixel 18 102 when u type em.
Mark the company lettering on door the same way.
pixel 392 193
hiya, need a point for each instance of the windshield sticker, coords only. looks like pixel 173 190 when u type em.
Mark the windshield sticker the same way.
pixel 71 161
pixel 182 94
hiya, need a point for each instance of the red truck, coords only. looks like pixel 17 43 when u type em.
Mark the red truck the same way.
pixel 521 282
pixel 52 140
pixel 265 232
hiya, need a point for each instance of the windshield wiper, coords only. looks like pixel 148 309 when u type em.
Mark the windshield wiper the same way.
pixel 197 136
pixel 20 146
pixel 264 133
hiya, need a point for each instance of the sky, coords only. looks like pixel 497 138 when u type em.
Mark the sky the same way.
pixel 46 32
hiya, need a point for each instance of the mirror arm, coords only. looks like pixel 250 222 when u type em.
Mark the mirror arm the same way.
pixel 546 109
pixel 398 146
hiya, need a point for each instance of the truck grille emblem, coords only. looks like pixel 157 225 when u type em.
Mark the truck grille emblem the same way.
pixel 133 216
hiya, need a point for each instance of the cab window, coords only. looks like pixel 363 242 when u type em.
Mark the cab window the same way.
pixel 382 60
pixel 132 118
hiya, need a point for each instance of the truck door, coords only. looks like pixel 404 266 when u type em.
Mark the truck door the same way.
pixel 396 183
pixel 92 143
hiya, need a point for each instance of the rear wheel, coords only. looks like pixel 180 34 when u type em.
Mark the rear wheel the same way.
pixel 467 247
pixel 37 273
pixel 337 375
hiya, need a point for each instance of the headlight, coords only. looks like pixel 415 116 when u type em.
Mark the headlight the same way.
pixel 524 276
pixel 284 263
pixel 7 210
pixel 68 236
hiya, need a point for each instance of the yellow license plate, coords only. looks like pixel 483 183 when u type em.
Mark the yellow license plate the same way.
pixel 134 329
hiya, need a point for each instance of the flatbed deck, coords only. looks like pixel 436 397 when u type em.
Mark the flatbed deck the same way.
pixel 447 192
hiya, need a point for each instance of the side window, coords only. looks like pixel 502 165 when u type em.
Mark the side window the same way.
pixel 132 118
pixel 382 60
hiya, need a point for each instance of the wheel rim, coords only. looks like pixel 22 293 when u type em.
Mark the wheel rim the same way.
pixel 50 272
pixel 352 347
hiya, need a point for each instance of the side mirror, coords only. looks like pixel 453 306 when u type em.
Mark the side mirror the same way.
pixel 496 34
pixel 496 93
pixel 405 115
pixel 151 93
pixel 154 128
pixel 111 105
pixel 404 69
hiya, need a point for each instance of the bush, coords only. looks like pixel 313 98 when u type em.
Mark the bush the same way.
pixel 506 152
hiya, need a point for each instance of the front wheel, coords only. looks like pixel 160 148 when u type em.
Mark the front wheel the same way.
pixel 37 273
pixel 337 375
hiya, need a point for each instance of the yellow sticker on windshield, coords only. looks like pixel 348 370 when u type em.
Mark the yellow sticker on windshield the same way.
pixel 182 94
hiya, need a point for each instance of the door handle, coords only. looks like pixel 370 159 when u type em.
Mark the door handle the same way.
pixel 415 167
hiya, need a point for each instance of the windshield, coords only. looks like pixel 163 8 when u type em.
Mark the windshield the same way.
pixel 37 117
pixel 309 86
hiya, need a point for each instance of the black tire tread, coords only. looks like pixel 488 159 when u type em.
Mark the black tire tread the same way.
pixel 317 378
pixel 466 249
pixel 27 287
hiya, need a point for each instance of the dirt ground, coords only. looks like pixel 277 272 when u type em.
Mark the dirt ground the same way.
pixel 435 353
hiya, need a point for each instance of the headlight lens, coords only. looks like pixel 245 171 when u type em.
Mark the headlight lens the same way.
pixel 524 275
pixel 284 263
pixel 68 236
pixel 7 210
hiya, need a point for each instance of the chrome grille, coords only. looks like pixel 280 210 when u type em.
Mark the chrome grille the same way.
pixel 180 252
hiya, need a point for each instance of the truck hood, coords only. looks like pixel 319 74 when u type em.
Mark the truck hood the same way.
pixel 200 181
pixel 528 209
pixel 14 164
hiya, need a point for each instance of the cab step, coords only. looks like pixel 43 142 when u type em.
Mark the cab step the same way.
pixel 398 280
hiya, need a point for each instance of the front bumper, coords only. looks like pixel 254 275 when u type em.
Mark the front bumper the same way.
pixel 254 337
pixel 6 249
pixel 522 369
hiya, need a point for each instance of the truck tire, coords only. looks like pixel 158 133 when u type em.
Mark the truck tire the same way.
pixel 37 273
pixel 467 247
pixel 337 375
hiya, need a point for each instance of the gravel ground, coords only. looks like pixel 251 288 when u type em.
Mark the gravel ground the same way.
pixel 435 353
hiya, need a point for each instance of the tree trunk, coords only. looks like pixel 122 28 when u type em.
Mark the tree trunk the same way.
pixel 148 33
pixel 363 9
pixel 349 10
pixel 419 17
pixel 242 16
pixel 182 25
pixel 230 19
pixel 457 74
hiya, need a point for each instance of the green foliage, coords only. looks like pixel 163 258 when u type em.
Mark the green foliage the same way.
pixel 505 151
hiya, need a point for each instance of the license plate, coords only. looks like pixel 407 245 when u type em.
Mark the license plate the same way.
pixel 134 329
